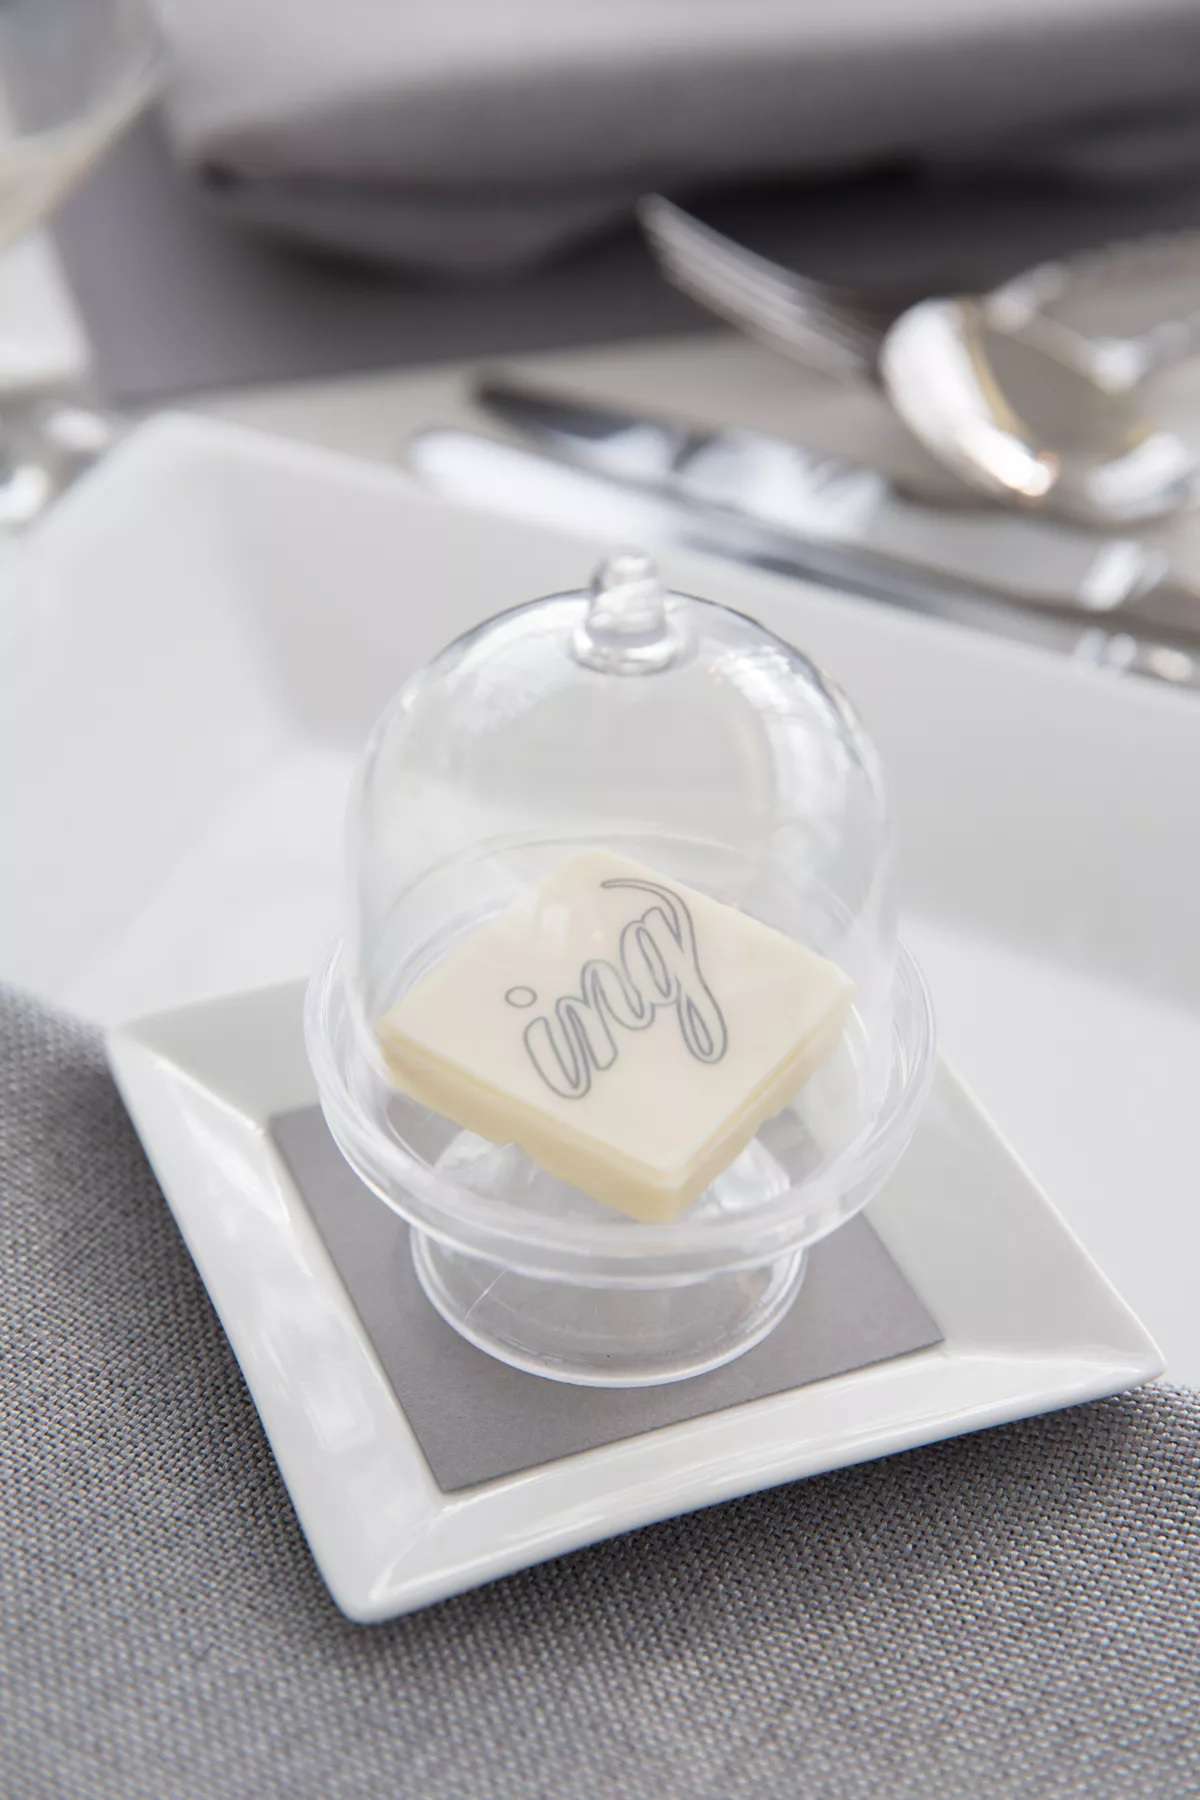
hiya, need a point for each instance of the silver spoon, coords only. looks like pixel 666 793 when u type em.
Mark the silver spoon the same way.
pixel 1018 419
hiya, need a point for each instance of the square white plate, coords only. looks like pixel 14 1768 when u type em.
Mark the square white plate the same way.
pixel 194 643
pixel 1028 1323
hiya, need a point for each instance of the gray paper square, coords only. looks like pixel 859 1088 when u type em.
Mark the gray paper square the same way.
pixel 476 1419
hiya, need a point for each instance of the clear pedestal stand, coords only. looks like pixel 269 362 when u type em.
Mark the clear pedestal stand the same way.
pixel 540 1277
pixel 674 732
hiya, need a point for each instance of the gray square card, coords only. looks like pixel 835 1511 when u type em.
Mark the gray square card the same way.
pixel 476 1419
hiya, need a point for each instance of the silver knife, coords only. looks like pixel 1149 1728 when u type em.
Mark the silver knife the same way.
pixel 833 505
pixel 517 482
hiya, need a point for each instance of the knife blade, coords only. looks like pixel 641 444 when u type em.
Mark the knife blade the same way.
pixel 518 482
pixel 830 501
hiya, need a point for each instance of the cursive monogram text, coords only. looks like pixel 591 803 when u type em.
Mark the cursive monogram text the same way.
pixel 657 970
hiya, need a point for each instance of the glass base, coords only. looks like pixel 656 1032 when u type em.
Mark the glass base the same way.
pixel 605 1336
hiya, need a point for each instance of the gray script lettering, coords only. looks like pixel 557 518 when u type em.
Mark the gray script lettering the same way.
pixel 657 970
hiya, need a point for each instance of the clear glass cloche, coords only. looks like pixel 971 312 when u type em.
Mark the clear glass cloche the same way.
pixel 686 738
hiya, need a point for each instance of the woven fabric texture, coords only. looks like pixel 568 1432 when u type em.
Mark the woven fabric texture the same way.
pixel 1011 1614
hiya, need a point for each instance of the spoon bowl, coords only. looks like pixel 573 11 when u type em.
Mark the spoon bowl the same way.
pixel 1024 423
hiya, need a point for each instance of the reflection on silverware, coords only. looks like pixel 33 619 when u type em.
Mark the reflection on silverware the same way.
pixel 1025 418
pixel 517 482
pixel 830 501
pixel 1022 424
pixel 1072 301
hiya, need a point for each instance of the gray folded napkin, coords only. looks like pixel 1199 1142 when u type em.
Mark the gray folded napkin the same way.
pixel 471 135
pixel 1011 1614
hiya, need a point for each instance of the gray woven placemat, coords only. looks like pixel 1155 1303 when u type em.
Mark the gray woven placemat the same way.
pixel 1016 1613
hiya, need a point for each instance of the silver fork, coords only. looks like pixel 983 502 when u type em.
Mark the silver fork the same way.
pixel 830 327
pixel 841 330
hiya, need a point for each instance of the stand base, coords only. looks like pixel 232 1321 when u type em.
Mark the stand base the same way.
pixel 605 1336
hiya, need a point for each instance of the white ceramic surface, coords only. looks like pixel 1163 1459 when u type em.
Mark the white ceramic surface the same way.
pixel 192 647
pixel 1029 1323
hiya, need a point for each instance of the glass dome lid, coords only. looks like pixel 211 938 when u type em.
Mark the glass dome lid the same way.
pixel 619 998
pixel 630 716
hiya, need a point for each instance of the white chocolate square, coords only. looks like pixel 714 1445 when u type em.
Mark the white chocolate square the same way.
pixel 629 1033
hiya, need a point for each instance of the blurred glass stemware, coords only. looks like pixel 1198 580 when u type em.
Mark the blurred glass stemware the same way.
pixel 73 74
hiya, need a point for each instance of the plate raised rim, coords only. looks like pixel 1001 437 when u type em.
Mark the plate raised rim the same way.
pixel 1030 1324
